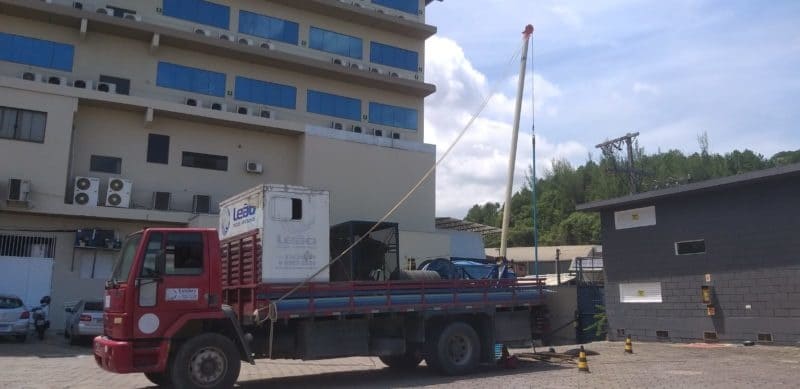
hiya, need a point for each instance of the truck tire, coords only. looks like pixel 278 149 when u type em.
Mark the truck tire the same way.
pixel 160 379
pixel 455 350
pixel 407 361
pixel 206 361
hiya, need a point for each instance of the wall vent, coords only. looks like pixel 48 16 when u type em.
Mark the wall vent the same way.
pixel 662 335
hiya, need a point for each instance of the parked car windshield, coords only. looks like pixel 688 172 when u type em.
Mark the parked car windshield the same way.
pixel 9 302
pixel 125 260
pixel 95 306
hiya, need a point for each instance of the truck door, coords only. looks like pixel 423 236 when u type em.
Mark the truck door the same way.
pixel 173 280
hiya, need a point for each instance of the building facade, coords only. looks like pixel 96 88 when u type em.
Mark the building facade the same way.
pixel 715 260
pixel 118 115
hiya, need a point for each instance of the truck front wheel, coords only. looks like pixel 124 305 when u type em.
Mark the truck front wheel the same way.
pixel 455 350
pixel 206 361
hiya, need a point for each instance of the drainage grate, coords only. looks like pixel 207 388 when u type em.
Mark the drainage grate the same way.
pixel 765 337
pixel 710 336
pixel 662 334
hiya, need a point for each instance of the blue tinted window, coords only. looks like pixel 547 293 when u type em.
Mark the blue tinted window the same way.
pixel 336 43
pixel 409 6
pixel 268 27
pixel 267 93
pixel 333 105
pixel 393 56
pixel 390 115
pixel 190 79
pixel 36 52
pixel 200 11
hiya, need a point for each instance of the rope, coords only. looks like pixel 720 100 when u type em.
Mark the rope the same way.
pixel 273 306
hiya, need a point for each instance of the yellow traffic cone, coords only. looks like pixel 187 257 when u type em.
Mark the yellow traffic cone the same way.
pixel 583 364
pixel 628 345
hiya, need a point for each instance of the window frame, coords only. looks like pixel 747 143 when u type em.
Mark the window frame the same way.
pixel 184 154
pixel 92 166
pixel 36 52
pixel 327 36
pixel 314 97
pixel 377 51
pixel 215 82
pixel 293 33
pixel 150 158
pixel 261 92
pixel 395 111
pixel 178 12
pixel 678 253
pixel 18 112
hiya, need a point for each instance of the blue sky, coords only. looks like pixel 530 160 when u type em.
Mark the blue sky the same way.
pixel 670 70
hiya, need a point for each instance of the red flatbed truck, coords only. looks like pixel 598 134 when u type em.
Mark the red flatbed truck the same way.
pixel 185 309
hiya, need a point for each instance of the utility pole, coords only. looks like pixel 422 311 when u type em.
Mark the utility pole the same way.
pixel 608 148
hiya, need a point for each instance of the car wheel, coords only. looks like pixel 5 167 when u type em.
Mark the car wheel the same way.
pixel 206 361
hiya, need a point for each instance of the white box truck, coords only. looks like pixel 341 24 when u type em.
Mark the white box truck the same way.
pixel 293 224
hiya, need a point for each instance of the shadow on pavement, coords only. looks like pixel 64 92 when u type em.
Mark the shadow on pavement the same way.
pixel 53 346
pixel 389 377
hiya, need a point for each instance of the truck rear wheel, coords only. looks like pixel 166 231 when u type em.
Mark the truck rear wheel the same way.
pixel 407 361
pixel 160 379
pixel 206 361
pixel 455 350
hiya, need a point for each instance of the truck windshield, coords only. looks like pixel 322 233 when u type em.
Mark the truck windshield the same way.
pixel 125 260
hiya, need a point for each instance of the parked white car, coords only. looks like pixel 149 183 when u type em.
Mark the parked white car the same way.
pixel 84 320
pixel 14 317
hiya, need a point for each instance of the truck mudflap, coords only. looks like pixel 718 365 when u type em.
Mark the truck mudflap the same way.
pixel 119 356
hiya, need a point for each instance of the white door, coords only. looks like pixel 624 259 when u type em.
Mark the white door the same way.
pixel 28 278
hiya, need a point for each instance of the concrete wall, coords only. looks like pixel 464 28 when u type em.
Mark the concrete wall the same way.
pixel 561 307
pixel 751 257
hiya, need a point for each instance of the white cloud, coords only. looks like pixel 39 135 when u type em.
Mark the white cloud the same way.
pixel 643 87
pixel 475 171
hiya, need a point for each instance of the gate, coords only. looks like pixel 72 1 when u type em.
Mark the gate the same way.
pixel 590 284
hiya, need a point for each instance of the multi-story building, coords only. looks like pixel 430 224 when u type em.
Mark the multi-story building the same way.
pixel 121 114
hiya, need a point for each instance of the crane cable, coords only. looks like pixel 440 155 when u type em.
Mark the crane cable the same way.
pixel 272 314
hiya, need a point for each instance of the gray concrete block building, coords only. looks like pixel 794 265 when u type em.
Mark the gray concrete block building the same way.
pixel 713 260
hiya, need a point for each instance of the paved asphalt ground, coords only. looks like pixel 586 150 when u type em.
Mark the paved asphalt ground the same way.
pixel 53 364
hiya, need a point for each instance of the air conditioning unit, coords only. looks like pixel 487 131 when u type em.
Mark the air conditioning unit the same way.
pixel 105 11
pixel 253 167
pixel 119 192
pixel 395 75
pixel 107 87
pixel 86 191
pixel 246 41
pixel 358 66
pixel 162 201
pixel 395 135
pixel 202 31
pixel 31 76
pixel 377 132
pixel 219 106
pixel 226 37
pixel 337 125
pixel 268 46
pixel 131 16
pixel 357 129
pixel 201 204
pixel 18 190
pixel 243 110
pixel 83 84
pixel 192 102
pixel 340 62
pixel 77 5
pixel 266 114
pixel 55 80
pixel 377 70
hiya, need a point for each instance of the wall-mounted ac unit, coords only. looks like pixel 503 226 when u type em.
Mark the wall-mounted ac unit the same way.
pixel 119 192
pixel 219 106
pixel 83 84
pixel 337 125
pixel 86 191
pixel 162 201
pixel 246 41
pixel 18 190
pixel 77 5
pixel 395 75
pixel 55 80
pixel 377 70
pixel 202 31
pixel 107 87
pixel 395 135
pixel 358 66
pixel 193 102
pixel 31 76
pixel 226 37
pixel 131 16
pixel 253 167
pixel 377 132
pixel 268 46
pixel 105 11
pixel 267 114
pixel 243 110
pixel 357 129
pixel 340 62
pixel 201 204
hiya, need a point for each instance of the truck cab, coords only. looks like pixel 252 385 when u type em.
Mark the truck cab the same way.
pixel 159 296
